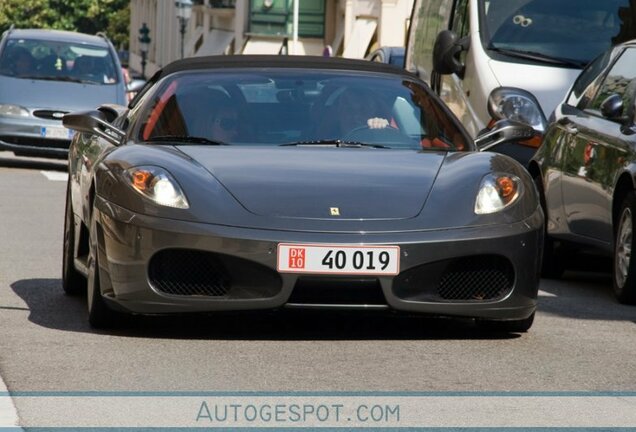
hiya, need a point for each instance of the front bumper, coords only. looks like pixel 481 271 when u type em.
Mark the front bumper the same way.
pixel 24 137
pixel 127 242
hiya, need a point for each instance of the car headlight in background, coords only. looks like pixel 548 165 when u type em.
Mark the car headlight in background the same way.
pixel 13 110
pixel 516 104
pixel 158 185
pixel 496 192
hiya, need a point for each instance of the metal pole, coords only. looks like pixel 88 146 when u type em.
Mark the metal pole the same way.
pixel 183 25
pixel 295 28
pixel 143 64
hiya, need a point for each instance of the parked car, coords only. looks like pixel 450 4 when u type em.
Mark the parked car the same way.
pixel 45 74
pixel 262 182
pixel 585 169
pixel 515 59
pixel 389 55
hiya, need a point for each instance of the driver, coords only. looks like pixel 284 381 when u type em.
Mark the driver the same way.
pixel 357 108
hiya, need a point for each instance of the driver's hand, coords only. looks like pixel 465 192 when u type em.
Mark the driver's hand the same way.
pixel 377 123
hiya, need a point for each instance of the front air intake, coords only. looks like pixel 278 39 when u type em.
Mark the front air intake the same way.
pixel 185 272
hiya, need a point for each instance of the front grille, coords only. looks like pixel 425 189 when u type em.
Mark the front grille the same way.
pixel 49 114
pixel 36 142
pixel 189 272
pixel 466 279
pixel 340 291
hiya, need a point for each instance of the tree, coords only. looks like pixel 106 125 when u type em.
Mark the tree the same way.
pixel 119 26
pixel 87 16
pixel 34 13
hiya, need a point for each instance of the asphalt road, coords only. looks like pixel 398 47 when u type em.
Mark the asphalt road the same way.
pixel 582 339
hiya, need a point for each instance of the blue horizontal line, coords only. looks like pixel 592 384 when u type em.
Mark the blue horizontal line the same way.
pixel 326 429
pixel 313 394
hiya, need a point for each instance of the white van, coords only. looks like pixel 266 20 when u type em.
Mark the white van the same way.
pixel 515 59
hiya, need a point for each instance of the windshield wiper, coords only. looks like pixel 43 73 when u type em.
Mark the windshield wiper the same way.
pixel 56 78
pixel 537 56
pixel 335 143
pixel 185 139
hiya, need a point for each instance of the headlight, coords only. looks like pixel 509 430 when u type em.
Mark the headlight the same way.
pixel 496 192
pixel 13 110
pixel 516 104
pixel 158 185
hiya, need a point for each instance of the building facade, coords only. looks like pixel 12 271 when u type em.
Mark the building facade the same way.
pixel 348 28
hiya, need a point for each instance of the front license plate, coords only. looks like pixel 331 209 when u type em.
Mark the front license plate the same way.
pixel 338 259
pixel 55 132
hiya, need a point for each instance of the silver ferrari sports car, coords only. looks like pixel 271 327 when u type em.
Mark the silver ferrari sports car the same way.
pixel 266 182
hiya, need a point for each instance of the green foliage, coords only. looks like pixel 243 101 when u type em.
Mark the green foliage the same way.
pixel 34 13
pixel 87 16
pixel 118 26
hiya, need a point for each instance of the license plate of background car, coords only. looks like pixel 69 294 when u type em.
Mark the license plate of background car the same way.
pixel 55 132
pixel 338 259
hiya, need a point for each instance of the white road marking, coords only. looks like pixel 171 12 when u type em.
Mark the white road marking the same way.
pixel 546 294
pixel 55 175
pixel 8 413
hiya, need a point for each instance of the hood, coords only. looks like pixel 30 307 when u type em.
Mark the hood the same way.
pixel 548 84
pixel 306 183
pixel 57 95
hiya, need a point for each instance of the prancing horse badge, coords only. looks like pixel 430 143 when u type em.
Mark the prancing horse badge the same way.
pixel 335 211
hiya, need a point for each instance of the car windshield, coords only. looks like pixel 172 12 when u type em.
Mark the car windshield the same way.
pixel 571 32
pixel 297 107
pixel 58 61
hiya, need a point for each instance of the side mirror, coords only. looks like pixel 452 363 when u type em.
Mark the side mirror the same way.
pixel 612 107
pixel 93 122
pixel 502 132
pixel 135 85
pixel 446 53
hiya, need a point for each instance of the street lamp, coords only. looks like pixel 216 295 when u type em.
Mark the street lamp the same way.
pixel 144 43
pixel 184 10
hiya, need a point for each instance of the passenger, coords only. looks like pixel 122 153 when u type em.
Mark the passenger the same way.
pixel 224 123
pixel 83 67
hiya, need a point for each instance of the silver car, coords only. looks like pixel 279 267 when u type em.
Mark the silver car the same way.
pixel 45 74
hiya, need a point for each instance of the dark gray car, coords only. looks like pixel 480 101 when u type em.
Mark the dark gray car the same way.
pixel 585 169
pixel 45 74
pixel 262 182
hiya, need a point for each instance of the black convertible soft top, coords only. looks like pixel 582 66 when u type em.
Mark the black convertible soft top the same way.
pixel 270 61
pixel 264 61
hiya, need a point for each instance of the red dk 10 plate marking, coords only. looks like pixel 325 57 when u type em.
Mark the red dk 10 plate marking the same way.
pixel 338 259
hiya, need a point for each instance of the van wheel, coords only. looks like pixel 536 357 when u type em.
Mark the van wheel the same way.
pixel 624 274
pixel 553 261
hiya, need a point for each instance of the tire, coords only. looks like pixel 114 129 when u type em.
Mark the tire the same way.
pixel 624 268
pixel 553 260
pixel 100 316
pixel 73 282
pixel 514 326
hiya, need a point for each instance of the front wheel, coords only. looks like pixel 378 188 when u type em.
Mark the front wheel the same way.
pixel 624 274
pixel 99 314
pixel 73 281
